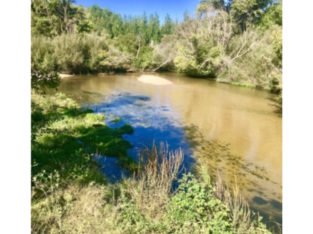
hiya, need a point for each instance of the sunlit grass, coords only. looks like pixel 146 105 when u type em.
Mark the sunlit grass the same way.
pixel 70 195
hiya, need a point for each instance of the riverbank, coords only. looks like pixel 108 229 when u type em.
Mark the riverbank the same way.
pixel 69 194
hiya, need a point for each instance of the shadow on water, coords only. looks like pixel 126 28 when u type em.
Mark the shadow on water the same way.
pixel 152 125
pixel 234 169
pixel 275 101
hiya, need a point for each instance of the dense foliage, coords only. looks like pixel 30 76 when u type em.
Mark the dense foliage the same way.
pixel 235 41
pixel 72 39
pixel 242 50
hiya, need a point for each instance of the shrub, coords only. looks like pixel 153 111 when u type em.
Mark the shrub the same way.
pixel 78 53
pixel 72 53
pixel 202 43
pixel 200 59
pixel 164 54
pixel 42 54
pixel 144 60
pixel 195 209
pixel 254 59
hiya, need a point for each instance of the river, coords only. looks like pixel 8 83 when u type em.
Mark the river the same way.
pixel 234 131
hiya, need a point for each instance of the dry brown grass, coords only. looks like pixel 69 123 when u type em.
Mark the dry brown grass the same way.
pixel 245 221
pixel 75 210
pixel 151 185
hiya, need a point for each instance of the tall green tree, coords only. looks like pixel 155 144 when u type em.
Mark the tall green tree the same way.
pixel 272 16
pixel 168 26
pixel 248 12
pixel 208 7
pixel 54 17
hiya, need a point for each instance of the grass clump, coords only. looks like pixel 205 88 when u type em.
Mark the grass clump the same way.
pixel 153 181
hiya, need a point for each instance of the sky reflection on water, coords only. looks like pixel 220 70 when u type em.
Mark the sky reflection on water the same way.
pixel 152 124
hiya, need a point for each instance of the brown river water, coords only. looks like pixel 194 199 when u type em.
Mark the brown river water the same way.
pixel 234 131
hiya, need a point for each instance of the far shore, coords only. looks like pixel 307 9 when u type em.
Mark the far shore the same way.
pixel 145 78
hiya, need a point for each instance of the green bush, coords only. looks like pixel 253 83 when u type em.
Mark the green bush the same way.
pixel 78 53
pixel 192 208
pixel 201 45
pixel 254 59
pixel 272 16
pixel 43 54
pixel 201 60
pixel 144 60
pixel 72 53
pixel 195 208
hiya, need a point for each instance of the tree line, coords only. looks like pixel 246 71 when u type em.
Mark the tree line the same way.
pixel 236 41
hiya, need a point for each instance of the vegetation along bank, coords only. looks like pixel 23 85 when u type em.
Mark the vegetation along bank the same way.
pixel 237 43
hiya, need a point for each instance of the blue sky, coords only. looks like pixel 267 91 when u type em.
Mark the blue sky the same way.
pixel 175 8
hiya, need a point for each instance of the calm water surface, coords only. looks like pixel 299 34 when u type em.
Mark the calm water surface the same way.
pixel 234 131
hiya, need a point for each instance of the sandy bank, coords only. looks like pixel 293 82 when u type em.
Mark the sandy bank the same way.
pixel 154 80
pixel 62 75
